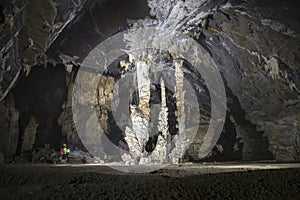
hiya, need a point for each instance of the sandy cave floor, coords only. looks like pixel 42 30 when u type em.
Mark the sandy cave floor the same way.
pixel 185 181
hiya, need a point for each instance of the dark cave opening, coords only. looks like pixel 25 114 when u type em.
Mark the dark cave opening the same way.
pixel 41 95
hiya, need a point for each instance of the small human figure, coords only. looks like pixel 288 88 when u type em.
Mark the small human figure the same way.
pixel 64 152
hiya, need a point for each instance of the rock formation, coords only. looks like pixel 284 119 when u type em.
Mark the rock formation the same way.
pixel 9 127
pixel 28 139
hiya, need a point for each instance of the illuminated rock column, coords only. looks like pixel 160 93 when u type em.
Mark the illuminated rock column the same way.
pixel 180 139
pixel 160 152
pixel 138 136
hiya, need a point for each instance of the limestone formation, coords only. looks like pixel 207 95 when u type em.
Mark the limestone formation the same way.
pixel 138 136
pixel 181 141
pixel 29 136
pixel 105 89
pixel 161 151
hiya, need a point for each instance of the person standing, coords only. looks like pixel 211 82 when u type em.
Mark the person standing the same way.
pixel 64 152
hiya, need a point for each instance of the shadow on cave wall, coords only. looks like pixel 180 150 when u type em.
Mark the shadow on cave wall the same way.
pixel 246 145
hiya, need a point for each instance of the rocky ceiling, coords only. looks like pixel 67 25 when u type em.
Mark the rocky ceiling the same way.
pixel 255 45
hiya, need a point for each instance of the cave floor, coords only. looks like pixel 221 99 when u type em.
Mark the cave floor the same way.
pixel 194 181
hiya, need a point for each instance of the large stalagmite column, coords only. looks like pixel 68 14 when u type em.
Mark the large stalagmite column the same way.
pixel 160 152
pixel 163 115
pixel 179 94
pixel 141 127
pixel 180 139
pixel 137 137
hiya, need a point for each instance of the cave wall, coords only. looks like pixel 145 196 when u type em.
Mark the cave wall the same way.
pixel 263 74
pixel 28 28
pixel 11 23
pixel 9 129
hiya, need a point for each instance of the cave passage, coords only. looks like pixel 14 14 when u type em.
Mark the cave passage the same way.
pixel 41 95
